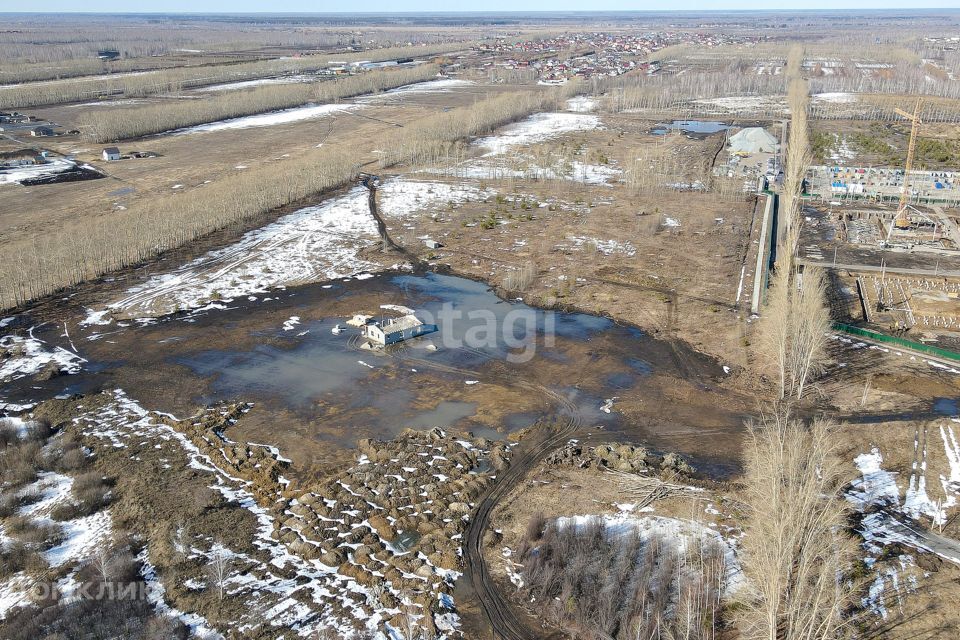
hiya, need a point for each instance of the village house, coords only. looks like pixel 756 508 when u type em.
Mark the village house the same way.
pixel 394 330
pixel 20 158
pixel 111 153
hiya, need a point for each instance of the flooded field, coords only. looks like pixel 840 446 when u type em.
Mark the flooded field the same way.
pixel 493 367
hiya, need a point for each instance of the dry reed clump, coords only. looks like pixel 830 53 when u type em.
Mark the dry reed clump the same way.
pixel 80 251
pixel 605 583
pixel 109 124
pixel 796 552
pixel 521 278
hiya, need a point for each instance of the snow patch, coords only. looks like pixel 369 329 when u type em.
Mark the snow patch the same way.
pixel 537 128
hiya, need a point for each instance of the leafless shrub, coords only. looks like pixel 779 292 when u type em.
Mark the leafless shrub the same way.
pixel 90 493
pixel 521 278
pixel 17 556
pixel 12 501
pixel 616 585
pixel 71 460
pixel 34 534
pixel 9 433
pixel 31 430
pixel 535 527
pixel 19 463
pixel 796 552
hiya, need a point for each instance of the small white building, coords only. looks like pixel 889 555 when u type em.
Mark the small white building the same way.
pixel 394 330
pixel 359 320
pixel 432 244
pixel 111 153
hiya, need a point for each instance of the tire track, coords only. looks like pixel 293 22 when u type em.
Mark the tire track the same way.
pixel 544 439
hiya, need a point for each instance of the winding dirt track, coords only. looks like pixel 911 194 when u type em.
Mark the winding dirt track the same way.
pixel 545 438
pixel 533 448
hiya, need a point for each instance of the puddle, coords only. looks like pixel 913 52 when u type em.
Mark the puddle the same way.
pixel 447 414
pixel 946 406
pixel 405 540
pixel 690 127
pixel 311 386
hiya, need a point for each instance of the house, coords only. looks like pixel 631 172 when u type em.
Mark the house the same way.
pixel 23 157
pixel 432 244
pixel 41 132
pixel 111 153
pixel 394 330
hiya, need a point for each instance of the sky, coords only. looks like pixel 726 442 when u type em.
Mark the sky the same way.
pixel 395 6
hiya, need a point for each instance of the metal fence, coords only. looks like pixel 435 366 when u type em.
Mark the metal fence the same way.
pixel 900 342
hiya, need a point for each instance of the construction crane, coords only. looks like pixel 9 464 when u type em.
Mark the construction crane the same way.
pixel 902 221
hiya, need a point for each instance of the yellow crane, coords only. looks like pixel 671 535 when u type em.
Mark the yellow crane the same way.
pixel 902 221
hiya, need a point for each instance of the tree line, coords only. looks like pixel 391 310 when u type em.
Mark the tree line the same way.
pixel 798 554
pixel 83 250
pixel 172 80
pixel 110 124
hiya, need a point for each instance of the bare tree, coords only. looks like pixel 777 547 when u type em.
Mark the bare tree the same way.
pixel 411 625
pixel 796 317
pixel 796 552
pixel 218 570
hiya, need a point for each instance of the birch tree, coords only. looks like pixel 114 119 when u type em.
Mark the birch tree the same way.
pixel 796 552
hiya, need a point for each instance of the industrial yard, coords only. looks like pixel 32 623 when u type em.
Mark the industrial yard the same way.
pixel 503 326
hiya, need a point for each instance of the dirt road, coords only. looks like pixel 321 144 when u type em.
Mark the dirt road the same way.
pixel 545 438
pixel 503 621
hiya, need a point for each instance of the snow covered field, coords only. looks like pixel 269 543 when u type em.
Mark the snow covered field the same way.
pixel 524 168
pixel 878 486
pixel 81 536
pixel 537 128
pixel 744 104
pixel 283 116
pixel 768 104
pixel 52 167
pixel 505 158
pixel 582 104
pixel 837 98
pixel 307 112
pixel 313 244
pixel 259 82
pixel 442 85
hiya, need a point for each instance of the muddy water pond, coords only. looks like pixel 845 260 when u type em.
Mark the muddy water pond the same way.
pixel 690 127
pixel 493 367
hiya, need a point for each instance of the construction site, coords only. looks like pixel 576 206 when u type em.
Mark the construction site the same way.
pixel 892 238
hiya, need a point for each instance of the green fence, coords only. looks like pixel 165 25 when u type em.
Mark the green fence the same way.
pixel 900 342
